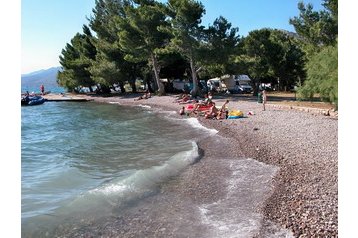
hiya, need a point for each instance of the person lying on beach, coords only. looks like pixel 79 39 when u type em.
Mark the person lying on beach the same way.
pixel 145 96
pixel 184 99
pixel 180 97
pixel 223 112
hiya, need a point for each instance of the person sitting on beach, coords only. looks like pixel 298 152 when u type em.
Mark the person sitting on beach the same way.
pixel 223 112
pixel 148 95
pixel 205 102
pixel 182 111
pixel 213 112
pixel 210 96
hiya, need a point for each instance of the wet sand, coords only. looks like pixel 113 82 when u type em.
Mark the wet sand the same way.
pixel 301 197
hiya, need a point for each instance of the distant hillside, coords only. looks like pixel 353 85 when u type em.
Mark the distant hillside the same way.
pixel 47 77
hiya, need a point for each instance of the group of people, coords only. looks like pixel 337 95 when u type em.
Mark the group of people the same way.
pixel 206 106
pixel 215 113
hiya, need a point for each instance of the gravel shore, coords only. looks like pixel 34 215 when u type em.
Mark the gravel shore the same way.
pixel 302 145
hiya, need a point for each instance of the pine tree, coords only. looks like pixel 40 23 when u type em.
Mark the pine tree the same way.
pixel 76 59
pixel 139 35
pixel 187 33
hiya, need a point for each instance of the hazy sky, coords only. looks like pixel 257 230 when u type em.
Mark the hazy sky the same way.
pixel 46 26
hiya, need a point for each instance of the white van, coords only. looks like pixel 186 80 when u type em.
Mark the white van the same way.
pixel 243 82
pixel 215 84
pixel 237 83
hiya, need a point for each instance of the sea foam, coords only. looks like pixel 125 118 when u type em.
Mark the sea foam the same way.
pixel 145 179
pixel 196 124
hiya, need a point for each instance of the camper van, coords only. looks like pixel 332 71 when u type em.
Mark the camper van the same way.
pixel 215 84
pixel 244 83
pixel 237 83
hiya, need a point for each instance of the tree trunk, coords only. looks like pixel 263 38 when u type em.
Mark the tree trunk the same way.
pixel 91 89
pixel 161 90
pixel 255 88
pixel 194 91
pixel 148 78
pixel 133 86
pixel 121 86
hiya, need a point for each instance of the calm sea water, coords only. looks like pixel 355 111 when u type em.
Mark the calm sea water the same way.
pixel 75 155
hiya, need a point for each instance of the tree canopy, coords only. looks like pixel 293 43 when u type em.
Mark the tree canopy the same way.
pixel 319 37
pixel 76 59
pixel 132 36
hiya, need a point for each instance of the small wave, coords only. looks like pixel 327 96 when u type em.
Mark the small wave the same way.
pixel 115 103
pixel 196 124
pixel 148 178
pixel 136 186
pixel 144 106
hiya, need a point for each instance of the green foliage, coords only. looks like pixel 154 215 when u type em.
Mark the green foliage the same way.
pixel 76 59
pixel 173 65
pixel 185 18
pixel 110 66
pixel 322 76
pixel 139 35
pixel 319 34
pixel 287 59
pixel 268 53
pixel 220 49
pixel 317 29
pixel 103 13
pixel 105 71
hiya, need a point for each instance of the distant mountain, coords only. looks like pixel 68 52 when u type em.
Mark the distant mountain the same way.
pixel 33 80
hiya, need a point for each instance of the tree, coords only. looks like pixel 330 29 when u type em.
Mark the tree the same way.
pixel 76 59
pixel 269 53
pixel 254 57
pixel 173 65
pixel 322 76
pixel 317 29
pixel 139 35
pixel 103 14
pixel 286 59
pixel 185 17
pixel 110 67
pixel 221 47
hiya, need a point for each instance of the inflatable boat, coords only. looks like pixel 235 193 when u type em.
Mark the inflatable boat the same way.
pixel 32 100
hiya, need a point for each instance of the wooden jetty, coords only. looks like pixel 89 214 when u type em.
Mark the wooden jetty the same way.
pixel 66 98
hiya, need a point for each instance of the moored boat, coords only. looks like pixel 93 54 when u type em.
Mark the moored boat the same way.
pixel 32 100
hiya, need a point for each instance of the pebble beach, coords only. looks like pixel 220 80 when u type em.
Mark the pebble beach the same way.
pixel 302 198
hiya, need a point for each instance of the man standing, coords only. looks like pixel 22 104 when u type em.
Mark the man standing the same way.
pixel 42 89
pixel 264 98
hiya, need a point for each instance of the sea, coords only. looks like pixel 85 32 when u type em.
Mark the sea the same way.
pixel 76 155
pixel 86 162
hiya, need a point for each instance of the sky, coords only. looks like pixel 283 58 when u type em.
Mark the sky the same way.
pixel 46 26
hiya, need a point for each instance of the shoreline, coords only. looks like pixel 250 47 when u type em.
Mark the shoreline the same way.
pixel 303 145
